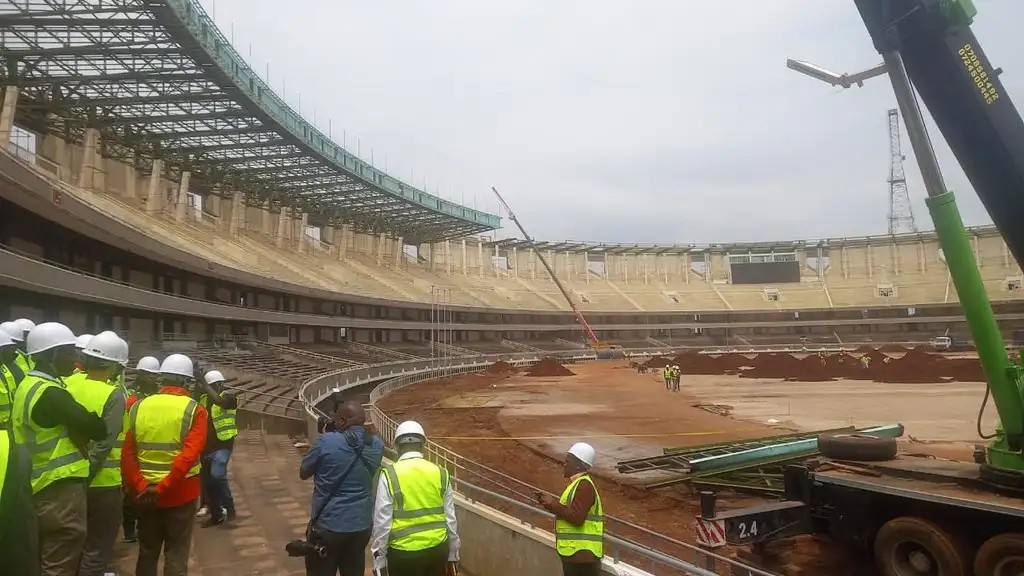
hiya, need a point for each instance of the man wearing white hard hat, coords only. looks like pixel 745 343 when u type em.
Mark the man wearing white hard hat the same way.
pixel 18 333
pixel 10 376
pixel 415 532
pixel 96 387
pixel 579 515
pixel 56 429
pixel 160 463
pixel 221 431
pixel 81 341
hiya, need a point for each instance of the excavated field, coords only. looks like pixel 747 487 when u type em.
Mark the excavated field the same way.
pixel 521 425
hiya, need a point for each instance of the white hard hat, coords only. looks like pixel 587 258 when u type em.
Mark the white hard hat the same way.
pixel 82 340
pixel 107 346
pixel 583 452
pixel 148 364
pixel 214 376
pixel 177 365
pixel 13 330
pixel 25 324
pixel 5 339
pixel 47 336
pixel 410 431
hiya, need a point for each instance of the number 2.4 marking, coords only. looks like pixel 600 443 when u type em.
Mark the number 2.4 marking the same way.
pixel 747 533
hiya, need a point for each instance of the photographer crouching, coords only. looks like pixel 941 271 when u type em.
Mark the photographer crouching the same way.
pixel 342 463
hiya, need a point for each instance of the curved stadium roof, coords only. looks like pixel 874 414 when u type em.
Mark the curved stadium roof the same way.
pixel 159 79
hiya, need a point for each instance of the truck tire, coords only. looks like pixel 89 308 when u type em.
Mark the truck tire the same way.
pixel 1001 555
pixel 858 447
pixel 909 546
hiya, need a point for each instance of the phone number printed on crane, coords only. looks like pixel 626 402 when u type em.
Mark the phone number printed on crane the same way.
pixel 979 75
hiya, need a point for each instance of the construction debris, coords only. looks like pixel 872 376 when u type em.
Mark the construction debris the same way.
pixel 499 367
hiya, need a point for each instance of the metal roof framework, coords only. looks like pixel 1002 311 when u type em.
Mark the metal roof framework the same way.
pixel 159 80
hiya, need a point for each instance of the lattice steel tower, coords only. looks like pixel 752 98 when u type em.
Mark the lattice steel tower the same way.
pixel 901 212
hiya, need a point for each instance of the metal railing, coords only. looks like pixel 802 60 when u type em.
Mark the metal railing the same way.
pixel 503 490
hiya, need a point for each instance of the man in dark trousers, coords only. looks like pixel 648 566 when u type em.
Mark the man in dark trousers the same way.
pixel 579 515
pixel 342 463
pixel 19 530
pixel 221 431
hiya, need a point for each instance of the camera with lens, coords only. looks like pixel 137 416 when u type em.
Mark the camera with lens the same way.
pixel 305 548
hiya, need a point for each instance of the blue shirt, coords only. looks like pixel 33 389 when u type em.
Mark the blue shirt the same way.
pixel 351 508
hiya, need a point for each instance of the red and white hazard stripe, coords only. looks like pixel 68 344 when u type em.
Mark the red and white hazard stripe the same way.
pixel 710 533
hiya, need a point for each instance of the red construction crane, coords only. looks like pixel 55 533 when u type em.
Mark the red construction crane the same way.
pixel 592 340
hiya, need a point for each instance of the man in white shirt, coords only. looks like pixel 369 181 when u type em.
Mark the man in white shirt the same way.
pixel 414 526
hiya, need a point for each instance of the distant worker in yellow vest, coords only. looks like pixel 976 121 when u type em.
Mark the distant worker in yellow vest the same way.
pixel 147 377
pixel 160 463
pixel 579 515
pixel 55 429
pixel 18 330
pixel 222 408
pixel 414 528
pixel 19 529
pixel 104 358
pixel 10 376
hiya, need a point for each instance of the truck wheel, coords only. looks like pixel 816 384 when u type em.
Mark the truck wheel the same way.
pixel 860 447
pixel 1001 555
pixel 909 546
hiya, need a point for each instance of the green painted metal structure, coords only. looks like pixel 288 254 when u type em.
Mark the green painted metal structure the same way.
pixel 160 80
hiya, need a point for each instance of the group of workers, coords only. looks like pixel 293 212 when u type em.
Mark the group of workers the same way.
pixel 84 453
pixel 407 516
pixel 671 374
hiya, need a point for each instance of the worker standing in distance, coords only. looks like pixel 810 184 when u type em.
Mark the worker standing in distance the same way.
pixel 579 515
pixel 414 528
pixel 10 376
pixel 17 333
pixel 221 431
pixel 104 358
pixel 147 374
pixel 55 429
pixel 677 373
pixel 160 462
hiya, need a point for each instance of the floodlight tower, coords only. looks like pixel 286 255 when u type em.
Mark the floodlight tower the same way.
pixel 901 212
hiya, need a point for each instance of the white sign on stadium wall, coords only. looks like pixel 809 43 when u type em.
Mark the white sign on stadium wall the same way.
pixel 710 533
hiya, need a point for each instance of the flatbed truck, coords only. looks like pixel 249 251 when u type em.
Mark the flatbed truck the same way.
pixel 925 516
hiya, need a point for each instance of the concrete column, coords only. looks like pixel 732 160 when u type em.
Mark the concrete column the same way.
pixel 60 150
pixel 7 110
pixel 237 214
pixel 430 255
pixel 130 179
pixel 181 200
pixel 515 261
pixel 480 259
pixel 399 251
pixel 533 262
pixel 379 248
pixel 464 258
pixel 305 242
pixel 153 204
pixel 87 172
pixel 448 256
pixel 282 227
pixel 586 266
pixel 266 226
pixel 343 242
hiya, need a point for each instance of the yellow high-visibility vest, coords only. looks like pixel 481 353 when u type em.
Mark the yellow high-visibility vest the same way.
pixel 25 362
pixel 7 454
pixel 93 395
pixel 54 456
pixel 417 488
pixel 9 380
pixel 160 423
pixel 569 538
pixel 224 420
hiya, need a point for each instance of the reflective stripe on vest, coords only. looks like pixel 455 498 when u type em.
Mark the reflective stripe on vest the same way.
pixel 93 395
pixel 54 456
pixel 224 420
pixel 24 362
pixel 418 488
pixel 570 538
pixel 160 423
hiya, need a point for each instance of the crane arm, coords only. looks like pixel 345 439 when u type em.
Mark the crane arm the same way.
pixel 591 337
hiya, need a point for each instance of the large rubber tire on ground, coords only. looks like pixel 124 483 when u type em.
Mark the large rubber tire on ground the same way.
pixel 909 546
pixel 858 447
pixel 1001 555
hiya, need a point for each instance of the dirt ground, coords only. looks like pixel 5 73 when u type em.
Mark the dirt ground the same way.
pixel 522 425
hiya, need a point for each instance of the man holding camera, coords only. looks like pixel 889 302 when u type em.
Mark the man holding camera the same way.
pixel 342 463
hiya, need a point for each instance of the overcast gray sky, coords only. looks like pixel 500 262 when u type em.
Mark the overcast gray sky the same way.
pixel 612 120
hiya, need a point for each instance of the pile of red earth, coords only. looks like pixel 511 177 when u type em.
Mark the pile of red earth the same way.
pixel 657 362
pixel 694 363
pixel 549 367
pixel 892 348
pixel 777 365
pixel 499 367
